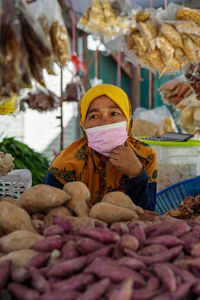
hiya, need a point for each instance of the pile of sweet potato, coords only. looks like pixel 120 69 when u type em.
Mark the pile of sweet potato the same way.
pixel 125 261
pixel 36 207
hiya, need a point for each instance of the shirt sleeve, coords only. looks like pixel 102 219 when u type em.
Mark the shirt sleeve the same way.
pixel 140 191
pixel 51 180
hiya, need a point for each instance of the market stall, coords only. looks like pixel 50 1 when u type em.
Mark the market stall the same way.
pixel 57 243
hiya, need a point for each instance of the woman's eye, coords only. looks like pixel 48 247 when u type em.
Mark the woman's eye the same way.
pixel 94 117
pixel 114 113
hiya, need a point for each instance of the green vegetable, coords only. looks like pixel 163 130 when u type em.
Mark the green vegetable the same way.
pixel 26 158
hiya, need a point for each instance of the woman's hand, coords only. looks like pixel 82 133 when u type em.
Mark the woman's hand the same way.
pixel 125 161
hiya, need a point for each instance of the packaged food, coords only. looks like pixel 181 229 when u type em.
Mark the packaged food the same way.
pixel 175 90
pixel 154 122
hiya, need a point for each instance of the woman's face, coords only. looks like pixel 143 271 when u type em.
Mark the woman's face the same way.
pixel 103 111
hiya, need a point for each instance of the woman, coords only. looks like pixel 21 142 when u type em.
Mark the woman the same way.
pixel 106 158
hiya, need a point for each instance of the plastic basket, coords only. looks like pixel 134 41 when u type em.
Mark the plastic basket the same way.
pixel 170 197
pixel 15 183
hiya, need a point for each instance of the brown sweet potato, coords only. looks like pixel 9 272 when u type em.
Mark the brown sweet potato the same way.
pixel 11 200
pixel 123 200
pixel 14 218
pixel 111 213
pixel 58 211
pixel 39 225
pixel 42 197
pixel 80 196
pixel 19 257
pixel 18 240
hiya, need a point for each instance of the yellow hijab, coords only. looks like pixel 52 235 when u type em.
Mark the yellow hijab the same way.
pixel 79 162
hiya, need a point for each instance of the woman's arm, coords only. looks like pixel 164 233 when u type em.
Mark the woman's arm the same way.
pixel 140 191
pixel 51 180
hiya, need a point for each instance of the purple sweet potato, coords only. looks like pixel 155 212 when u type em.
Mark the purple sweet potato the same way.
pixel 153 283
pixel 69 250
pixel 38 282
pixel 195 251
pixel 120 227
pixel 63 222
pixel 166 240
pixel 100 234
pixel 196 287
pixel 38 260
pixel 131 263
pixel 138 232
pixel 115 273
pixel 76 282
pixel 182 291
pixel 156 258
pixel 189 241
pixel 117 252
pixel 180 228
pixel 48 244
pixel 152 249
pixel 87 245
pixel 95 290
pixel 124 291
pixel 128 241
pixel 166 275
pixel 104 251
pixel 195 262
pixel 19 274
pixel 185 274
pixel 60 295
pixel 5 271
pixel 143 294
pixel 160 228
pixel 53 230
pixel 68 267
pixel 21 292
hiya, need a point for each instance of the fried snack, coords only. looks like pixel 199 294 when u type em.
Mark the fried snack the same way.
pixel 172 35
pixel 197 117
pixel 188 28
pixel 187 14
pixel 187 119
pixel 143 15
pixel 155 58
pixel 190 48
pixel 181 57
pixel 149 31
pixel 109 13
pixel 141 43
pixel 60 42
pixel 195 39
pixel 142 128
pixel 96 16
pixel 168 125
pixel 166 48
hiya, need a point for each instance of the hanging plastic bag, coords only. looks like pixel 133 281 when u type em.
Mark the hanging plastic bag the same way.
pixel 73 91
pixel 49 15
pixel 154 122
pixel 105 19
pixel 174 91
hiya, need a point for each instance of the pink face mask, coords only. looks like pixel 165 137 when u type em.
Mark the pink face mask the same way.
pixel 104 139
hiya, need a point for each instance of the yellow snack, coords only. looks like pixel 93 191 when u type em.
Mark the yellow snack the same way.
pixel 190 48
pixel 181 57
pixel 149 31
pixel 172 63
pixel 85 17
pixel 166 48
pixel 142 128
pixel 188 28
pixel 195 39
pixel 188 15
pixel 155 58
pixel 143 15
pixel 96 16
pixel 187 119
pixel 172 35
pixel 197 116
pixel 140 43
pixel 109 13
pixel 168 125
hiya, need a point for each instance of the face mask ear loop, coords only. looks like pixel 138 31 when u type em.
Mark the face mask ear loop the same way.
pixel 83 132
